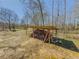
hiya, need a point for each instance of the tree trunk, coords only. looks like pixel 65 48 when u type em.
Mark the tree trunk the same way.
pixel 9 26
pixel 40 6
pixel 64 25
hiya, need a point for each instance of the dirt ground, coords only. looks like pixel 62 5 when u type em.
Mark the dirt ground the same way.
pixel 18 45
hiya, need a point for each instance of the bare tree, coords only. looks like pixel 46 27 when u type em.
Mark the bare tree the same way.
pixel 34 7
pixel 41 10
pixel 8 17
pixel 76 13
pixel 64 16
pixel 52 11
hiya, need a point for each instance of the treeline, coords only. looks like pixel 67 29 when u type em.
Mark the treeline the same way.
pixel 37 13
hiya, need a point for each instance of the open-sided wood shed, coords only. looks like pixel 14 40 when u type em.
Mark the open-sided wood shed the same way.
pixel 43 32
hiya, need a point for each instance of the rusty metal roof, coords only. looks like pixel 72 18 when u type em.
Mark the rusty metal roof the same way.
pixel 43 27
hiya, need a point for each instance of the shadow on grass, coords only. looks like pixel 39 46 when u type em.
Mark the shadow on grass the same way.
pixel 64 43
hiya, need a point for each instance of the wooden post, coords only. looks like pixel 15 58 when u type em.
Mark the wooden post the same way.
pixel 45 37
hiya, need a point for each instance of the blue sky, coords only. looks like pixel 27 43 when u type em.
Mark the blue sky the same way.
pixel 70 4
pixel 14 5
pixel 17 6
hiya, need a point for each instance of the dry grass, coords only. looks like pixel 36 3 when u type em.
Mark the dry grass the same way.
pixel 16 45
